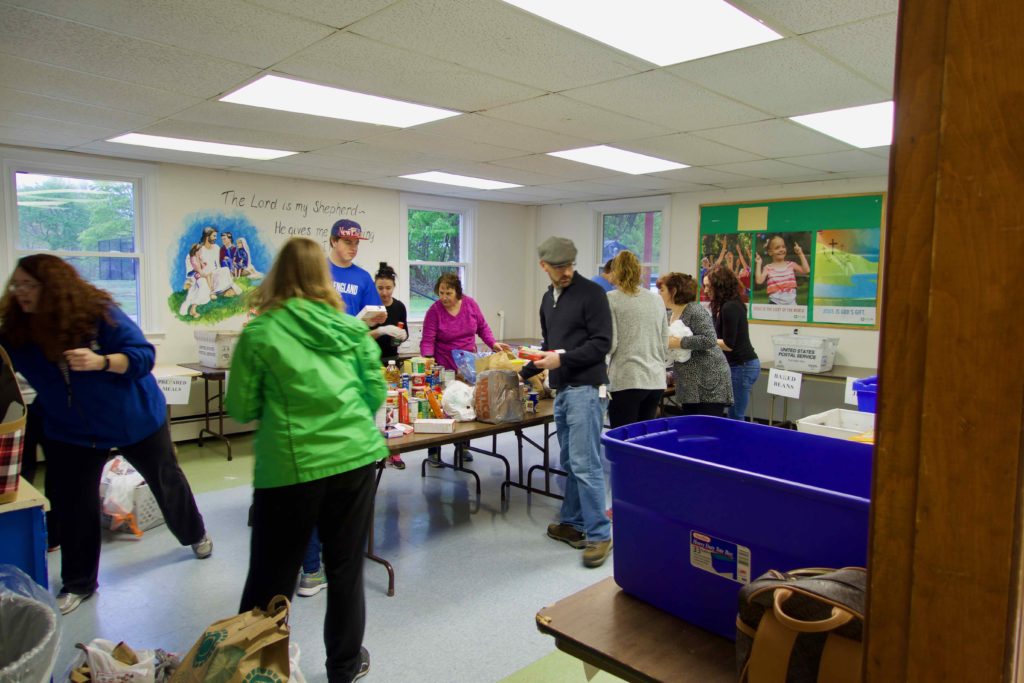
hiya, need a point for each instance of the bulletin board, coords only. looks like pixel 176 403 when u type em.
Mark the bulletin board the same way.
pixel 813 261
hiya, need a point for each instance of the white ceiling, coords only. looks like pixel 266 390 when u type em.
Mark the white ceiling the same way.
pixel 76 72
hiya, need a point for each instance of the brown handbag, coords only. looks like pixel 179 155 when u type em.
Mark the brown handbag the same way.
pixel 802 626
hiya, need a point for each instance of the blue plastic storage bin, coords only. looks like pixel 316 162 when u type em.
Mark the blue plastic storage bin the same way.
pixel 703 505
pixel 867 393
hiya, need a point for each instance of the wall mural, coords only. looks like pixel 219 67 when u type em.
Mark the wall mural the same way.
pixel 219 258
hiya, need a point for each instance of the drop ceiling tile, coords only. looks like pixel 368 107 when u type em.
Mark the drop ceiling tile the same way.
pixel 801 16
pixel 867 47
pixel 330 12
pixel 360 152
pixel 498 39
pixel 688 149
pixel 784 77
pixel 36 123
pixel 777 138
pixel 350 61
pixel 62 43
pixel 839 162
pixel 749 182
pixel 299 166
pixel 70 112
pixel 174 128
pixel 167 156
pixel 705 176
pixel 604 190
pixel 882 151
pixel 479 128
pixel 282 122
pixel 661 98
pixel 66 84
pixel 413 140
pixel 412 163
pixel 824 177
pixel 41 137
pixel 571 117
pixel 766 168
pixel 228 29
pixel 494 172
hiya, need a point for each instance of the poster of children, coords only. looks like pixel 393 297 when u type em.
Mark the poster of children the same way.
pixel 732 251
pixel 846 276
pixel 218 259
pixel 781 276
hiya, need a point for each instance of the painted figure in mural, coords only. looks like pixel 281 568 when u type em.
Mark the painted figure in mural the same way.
pixel 227 253
pixel 209 255
pixel 199 287
pixel 243 264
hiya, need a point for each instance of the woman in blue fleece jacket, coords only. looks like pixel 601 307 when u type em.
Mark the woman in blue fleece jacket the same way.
pixel 91 368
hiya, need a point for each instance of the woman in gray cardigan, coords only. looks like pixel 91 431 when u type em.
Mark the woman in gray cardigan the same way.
pixel 703 383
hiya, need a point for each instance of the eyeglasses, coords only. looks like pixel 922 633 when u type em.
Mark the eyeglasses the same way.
pixel 16 287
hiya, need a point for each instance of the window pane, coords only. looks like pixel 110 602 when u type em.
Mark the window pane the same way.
pixel 75 214
pixel 638 232
pixel 119 276
pixel 421 286
pixel 435 236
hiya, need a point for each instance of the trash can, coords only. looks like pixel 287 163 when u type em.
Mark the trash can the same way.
pixel 29 628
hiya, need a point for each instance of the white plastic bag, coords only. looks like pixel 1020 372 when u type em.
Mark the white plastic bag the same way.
pixel 105 669
pixel 457 402
pixel 295 675
pixel 678 329
pixel 117 486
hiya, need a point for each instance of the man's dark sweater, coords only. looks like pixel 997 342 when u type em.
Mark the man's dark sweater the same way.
pixel 580 323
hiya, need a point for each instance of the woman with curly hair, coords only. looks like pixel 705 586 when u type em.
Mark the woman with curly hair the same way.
pixel 703 384
pixel 91 368
pixel 730 315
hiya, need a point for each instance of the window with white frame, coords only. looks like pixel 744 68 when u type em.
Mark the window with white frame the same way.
pixel 636 226
pixel 88 213
pixel 438 240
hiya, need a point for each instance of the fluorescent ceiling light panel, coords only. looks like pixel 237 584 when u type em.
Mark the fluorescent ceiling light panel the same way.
pixel 866 126
pixel 660 31
pixel 286 94
pixel 200 147
pixel 618 160
pixel 460 180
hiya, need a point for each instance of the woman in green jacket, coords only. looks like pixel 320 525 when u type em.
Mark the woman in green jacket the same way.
pixel 311 375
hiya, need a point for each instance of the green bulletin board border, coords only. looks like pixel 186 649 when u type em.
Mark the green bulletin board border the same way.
pixel 803 214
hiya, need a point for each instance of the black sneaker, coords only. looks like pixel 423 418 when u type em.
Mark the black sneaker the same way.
pixel 364 663
pixel 567 534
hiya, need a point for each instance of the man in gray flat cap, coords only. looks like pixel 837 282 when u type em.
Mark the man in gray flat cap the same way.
pixel 576 323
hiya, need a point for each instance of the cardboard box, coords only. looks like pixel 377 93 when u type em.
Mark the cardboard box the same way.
pixel 838 423
pixel 434 426
pixel 216 346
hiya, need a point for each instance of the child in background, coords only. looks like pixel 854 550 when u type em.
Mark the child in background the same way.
pixel 242 265
pixel 781 274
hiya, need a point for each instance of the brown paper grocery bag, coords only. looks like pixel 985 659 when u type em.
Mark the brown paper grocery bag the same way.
pixel 246 647
pixel 501 360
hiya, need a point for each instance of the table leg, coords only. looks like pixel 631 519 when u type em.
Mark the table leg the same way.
pixel 370 554
pixel 220 415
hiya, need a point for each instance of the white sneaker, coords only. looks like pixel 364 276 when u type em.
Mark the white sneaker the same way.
pixel 203 548
pixel 311 584
pixel 69 602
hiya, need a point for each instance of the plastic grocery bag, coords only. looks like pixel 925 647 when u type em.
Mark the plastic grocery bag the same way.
pixel 465 363
pixel 104 667
pixel 117 485
pixel 457 402
pixel 678 329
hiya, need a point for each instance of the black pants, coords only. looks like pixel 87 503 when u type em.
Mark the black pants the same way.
pixel 283 519
pixel 712 409
pixel 73 484
pixel 633 405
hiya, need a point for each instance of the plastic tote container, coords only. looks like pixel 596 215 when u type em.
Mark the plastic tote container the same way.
pixel 29 628
pixel 837 423
pixel 798 353
pixel 216 346
pixel 867 393
pixel 703 505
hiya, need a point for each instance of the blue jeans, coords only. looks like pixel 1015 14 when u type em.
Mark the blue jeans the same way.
pixel 743 379
pixel 311 560
pixel 579 415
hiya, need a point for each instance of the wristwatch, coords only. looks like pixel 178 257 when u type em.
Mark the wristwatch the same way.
pixel 106 363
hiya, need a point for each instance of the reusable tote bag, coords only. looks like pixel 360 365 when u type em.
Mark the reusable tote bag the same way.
pixel 252 646
pixel 12 429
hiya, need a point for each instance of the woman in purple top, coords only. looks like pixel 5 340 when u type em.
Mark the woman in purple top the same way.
pixel 453 322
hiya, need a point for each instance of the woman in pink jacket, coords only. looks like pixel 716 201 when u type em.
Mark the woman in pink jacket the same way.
pixel 453 322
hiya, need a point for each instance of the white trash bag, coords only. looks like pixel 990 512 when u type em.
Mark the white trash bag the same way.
pixel 457 402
